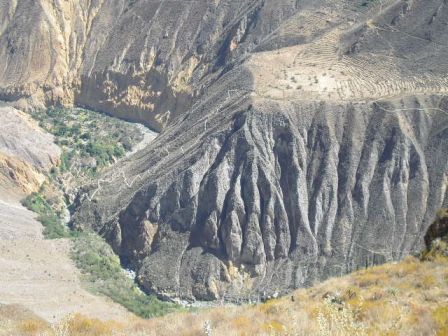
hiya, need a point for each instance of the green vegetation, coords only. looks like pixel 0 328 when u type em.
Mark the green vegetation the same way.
pixel 50 219
pixel 102 269
pixel 90 141
pixel 99 264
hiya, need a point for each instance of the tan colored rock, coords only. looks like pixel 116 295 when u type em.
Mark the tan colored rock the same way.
pixel 27 153
pixel 18 178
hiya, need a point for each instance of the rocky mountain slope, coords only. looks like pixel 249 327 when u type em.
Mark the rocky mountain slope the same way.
pixel 26 154
pixel 301 139
pixel 142 60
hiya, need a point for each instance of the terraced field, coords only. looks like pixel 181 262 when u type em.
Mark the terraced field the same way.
pixel 323 70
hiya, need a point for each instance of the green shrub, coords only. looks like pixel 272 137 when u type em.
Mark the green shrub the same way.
pixel 53 228
pixel 87 134
pixel 102 269
pixel 66 157
pixel 104 152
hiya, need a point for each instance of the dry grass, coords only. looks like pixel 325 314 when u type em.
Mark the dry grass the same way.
pixel 73 325
pixel 406 298
pixel 32 326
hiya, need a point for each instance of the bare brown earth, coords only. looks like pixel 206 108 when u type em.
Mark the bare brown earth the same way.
pixel 40 275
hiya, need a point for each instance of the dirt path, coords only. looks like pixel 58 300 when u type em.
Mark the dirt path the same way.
pixel 40 275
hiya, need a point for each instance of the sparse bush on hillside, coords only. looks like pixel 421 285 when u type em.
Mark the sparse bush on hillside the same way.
pixel 102 269
pixel 80 325
pixel 366 3
pixel 32 327
pixel 72 325
pixel 440 316
pixel 53 227
pixel 339 319
pixel 65 161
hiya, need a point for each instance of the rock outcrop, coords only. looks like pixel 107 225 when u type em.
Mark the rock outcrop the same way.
pixel 26 154
pixel 438 229
pixel 301 139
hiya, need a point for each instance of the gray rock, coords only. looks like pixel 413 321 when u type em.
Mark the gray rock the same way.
pixel 300 139
pixel 282 196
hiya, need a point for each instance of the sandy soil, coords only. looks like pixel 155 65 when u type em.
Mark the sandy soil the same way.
pixel 40 275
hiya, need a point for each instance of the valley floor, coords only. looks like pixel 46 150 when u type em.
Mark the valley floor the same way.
pixel 39 274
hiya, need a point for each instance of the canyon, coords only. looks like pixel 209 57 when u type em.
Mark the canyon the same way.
pixel 299 140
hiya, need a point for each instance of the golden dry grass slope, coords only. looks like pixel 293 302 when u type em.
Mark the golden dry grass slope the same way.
pixel 406 298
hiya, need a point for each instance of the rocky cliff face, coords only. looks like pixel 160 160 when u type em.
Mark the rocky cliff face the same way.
pixel 301 139
pixel 141 60
pixel 277 199
pixel 26 154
